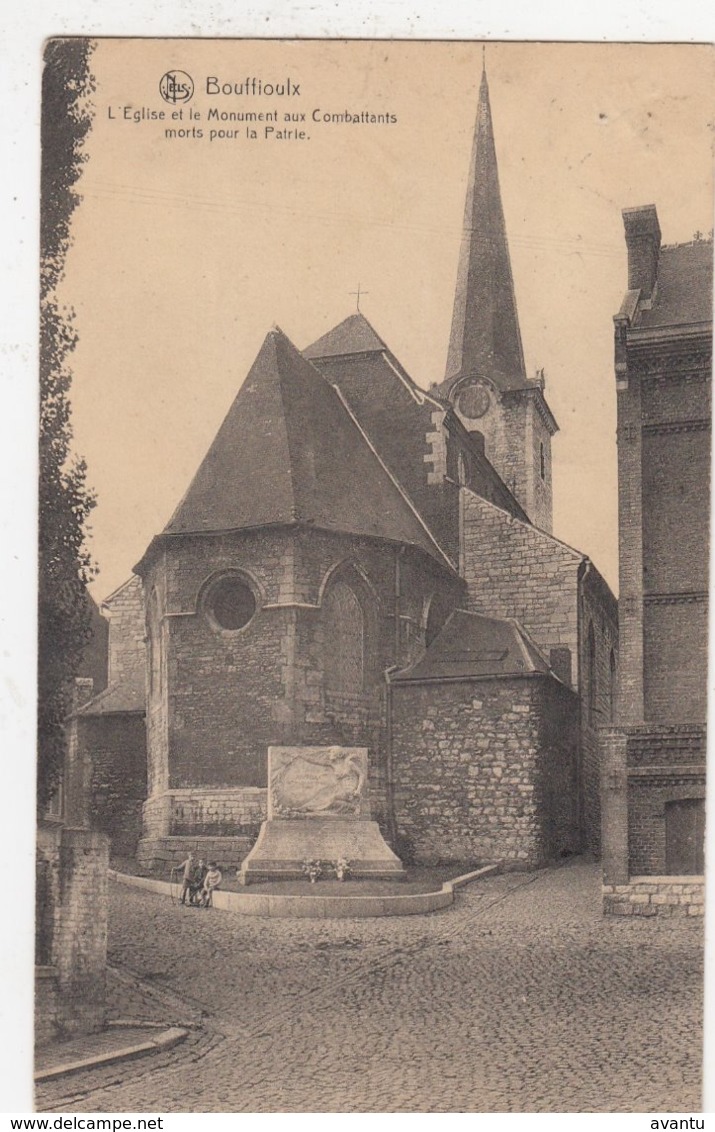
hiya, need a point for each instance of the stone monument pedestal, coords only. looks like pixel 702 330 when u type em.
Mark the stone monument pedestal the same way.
pixel 318 810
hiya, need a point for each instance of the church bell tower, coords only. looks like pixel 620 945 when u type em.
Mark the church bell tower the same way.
pixel 485 379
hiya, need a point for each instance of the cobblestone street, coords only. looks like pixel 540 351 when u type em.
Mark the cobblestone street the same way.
pixel 519 998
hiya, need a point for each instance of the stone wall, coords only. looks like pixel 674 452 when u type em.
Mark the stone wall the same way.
pixel 106 776
pixel 519 458
pixel 514 570
pixel 161 854
pixel 219 699
pixel 485 770
pixel 117 747
pixel 127 631
pixel 205 811
pixel 655 896
pixel 73 912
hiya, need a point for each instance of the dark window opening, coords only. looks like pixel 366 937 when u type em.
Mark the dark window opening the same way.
pixel 542 460
pixel 685 837
pixel 231 603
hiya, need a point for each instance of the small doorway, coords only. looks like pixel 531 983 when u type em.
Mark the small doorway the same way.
pixel 685 837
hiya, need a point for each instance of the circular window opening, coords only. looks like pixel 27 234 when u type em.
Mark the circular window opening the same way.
pixel 231 603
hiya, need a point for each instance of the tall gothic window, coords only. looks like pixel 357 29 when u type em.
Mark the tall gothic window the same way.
pixel 344 636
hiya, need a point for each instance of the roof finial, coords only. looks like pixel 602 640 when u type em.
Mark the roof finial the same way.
pixel 357 294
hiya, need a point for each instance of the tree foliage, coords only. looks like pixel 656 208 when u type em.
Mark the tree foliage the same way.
pixel 65 501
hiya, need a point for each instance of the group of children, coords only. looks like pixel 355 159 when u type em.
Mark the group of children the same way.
pixel 198 881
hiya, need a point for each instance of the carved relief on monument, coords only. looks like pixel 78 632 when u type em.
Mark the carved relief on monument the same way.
pixel 324 782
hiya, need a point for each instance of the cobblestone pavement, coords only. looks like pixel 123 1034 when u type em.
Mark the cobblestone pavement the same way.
pixel 520 998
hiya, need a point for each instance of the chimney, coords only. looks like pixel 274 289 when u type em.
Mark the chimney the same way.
pixel 643 243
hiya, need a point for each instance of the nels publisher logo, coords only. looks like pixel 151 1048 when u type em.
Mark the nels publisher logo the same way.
pixel 176 86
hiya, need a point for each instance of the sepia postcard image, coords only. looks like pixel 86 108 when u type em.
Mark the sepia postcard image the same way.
pixel 373 576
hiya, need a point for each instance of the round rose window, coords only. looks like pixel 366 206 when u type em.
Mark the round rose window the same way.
pixel 231 603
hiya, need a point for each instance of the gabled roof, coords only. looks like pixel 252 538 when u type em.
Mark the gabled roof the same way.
pixel 354 335
pixel 471 646
pixel 290 451
pixel 685 286
pixel 485 337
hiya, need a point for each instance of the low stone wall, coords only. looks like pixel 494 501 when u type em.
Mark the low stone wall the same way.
pixel 316 907
pixel 655 896
pixel 205 812
pixel 161 853
pixel 70 987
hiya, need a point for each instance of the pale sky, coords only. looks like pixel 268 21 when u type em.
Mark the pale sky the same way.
pixel 186 251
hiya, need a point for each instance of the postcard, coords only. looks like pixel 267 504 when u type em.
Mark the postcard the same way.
pixel 374 517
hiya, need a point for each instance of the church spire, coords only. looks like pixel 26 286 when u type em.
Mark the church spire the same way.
pixel 485 336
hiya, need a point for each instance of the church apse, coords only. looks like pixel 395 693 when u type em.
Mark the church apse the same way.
pixel 275 607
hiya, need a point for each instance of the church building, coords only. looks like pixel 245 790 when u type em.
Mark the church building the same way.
pixel 362 562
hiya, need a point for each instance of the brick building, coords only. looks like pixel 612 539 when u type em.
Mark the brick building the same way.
pixel 654 755
pixel 362 562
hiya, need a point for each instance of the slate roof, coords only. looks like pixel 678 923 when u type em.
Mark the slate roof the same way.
pixel 485 337
pixel 471 645
pixel 289 450
pixel 354 335
pixel 685 286
pixel 129 696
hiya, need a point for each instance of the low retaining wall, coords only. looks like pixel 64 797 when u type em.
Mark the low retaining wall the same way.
pixel 163 852
pixel 655 896
pixel 319 907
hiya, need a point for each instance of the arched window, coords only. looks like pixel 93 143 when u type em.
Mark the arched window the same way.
pixel 591 675
pixel 344 640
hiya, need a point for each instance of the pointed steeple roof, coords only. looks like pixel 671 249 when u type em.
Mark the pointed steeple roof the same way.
pixel 354 335
pixel 485 336
pixel 289 450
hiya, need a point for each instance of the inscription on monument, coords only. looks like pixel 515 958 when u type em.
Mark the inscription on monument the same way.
pixel 320 782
